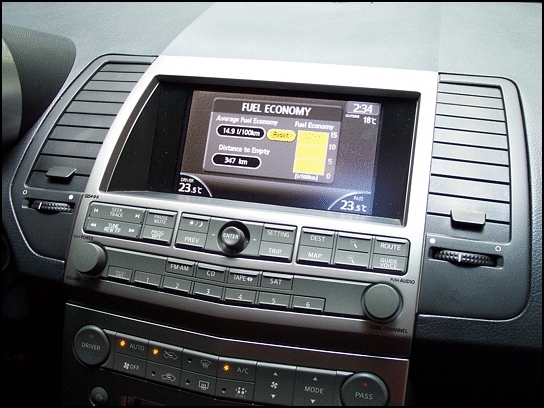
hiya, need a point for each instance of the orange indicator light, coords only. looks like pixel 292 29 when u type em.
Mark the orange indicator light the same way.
pixel 226 367
pixel 155 351
pixel 122 343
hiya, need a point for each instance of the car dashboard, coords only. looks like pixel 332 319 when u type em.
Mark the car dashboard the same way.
pixel 272 204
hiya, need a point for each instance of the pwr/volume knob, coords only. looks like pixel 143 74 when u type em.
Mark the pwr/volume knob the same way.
pixel 381 302
pixel 89 259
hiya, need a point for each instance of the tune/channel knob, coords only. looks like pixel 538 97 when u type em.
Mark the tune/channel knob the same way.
pixel 89 259
pixel 381 302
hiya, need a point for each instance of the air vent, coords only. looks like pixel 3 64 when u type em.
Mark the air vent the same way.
pixel 469 194
pixel 70 150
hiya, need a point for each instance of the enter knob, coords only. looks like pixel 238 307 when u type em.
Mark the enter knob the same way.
pixel 234 239
pixel 89 259
pixel 381 302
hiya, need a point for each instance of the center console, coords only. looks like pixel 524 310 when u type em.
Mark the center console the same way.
pixel 252 232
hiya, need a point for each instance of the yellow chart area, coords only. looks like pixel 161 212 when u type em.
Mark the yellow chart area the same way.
pixel 311 152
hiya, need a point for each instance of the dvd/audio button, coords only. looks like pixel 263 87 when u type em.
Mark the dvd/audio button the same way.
pixel 190 239
pixel 121 274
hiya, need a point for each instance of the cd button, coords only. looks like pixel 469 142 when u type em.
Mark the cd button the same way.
pixel 211 272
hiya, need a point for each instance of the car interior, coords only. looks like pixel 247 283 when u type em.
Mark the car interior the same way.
pixel 265 203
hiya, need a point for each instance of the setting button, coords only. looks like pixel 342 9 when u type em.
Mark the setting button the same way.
pixel 398 247
pixel 282 234
pixel 316 238
pixel 314 387
pixel 274 384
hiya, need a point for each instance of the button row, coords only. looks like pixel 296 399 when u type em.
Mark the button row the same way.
pixel 249 279
pixel 354 251
pixel 148 225
pixel 224 377
pixel 265 241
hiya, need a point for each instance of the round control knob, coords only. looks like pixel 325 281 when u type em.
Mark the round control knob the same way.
pixel 234 238
pixel 89 259
pixel 91 345
pixel 364 389
pixel 381 302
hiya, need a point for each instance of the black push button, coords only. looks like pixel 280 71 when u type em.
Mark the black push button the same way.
pixel 274 384
pixel 314 387
pixel 364 389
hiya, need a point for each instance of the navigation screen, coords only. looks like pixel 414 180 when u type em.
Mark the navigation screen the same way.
pixel 299 152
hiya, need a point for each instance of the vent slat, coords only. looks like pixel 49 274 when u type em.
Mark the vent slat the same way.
pixel 102 96
pixel 93 121
pixel 469 189
pixel 117 76
pixel 490 92
pixel 469 100
pixel 474 125
pixel 71 149
pixel 471 154
pixel 470 112
pixel 78 134
pixel 111 86
pixel 95 108
pixel 475 171
pixel 471 138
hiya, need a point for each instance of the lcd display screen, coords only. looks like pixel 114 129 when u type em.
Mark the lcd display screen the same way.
pixel 300 152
